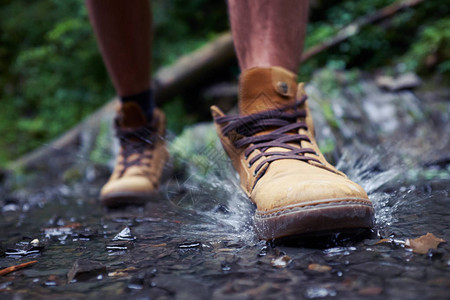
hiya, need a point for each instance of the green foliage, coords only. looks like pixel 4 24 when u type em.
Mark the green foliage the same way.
pixel 101 151
pixel 385 43
pixel 183 26
pixel 176 115
pixel 432 47
pixel 53 74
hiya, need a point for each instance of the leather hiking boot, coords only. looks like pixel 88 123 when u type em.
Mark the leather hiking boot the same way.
pixel 272 146
pixel 142 156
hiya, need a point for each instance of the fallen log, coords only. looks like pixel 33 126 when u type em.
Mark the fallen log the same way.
pixel 194 67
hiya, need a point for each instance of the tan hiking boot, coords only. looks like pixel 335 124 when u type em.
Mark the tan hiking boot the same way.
pixel 142 156
pixel 272 146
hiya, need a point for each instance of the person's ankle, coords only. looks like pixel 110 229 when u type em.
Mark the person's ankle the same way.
pixel 145 101
pixel 262 89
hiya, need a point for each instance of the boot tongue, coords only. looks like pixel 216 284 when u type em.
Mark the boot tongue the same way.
pixel 130 115
pixel 262 89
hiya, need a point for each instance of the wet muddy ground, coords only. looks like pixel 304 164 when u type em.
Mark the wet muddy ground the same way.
pixel 197 240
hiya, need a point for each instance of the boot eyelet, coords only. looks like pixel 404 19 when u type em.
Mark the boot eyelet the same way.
pixel 283 87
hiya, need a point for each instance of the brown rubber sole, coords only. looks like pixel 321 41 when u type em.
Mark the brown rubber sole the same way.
pixel 116 200
pixel 326 215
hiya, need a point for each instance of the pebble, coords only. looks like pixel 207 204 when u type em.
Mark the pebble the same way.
pixel 281 262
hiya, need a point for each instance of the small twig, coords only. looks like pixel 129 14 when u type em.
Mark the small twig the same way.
pixel 17 267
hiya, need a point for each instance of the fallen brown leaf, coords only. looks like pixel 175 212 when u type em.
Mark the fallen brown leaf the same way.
pixel 319 268
pixel 159 245
pixel 129 269
pixel 349 283
pixel 441 281
pixel 122 272
pixel 16 267
pixel 117 274
pixel 422 244
pixel 72 225
pixel 375 290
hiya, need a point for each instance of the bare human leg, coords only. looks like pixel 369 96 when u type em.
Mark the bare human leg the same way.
pixel 123 31
pixel 268 32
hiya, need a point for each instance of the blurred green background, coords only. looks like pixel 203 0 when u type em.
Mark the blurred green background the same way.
pixel 52 76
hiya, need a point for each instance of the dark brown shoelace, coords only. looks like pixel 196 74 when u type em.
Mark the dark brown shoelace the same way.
pixel 135 141
pixel 284 126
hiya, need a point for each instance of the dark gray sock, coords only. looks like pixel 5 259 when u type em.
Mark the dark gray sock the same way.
pixel 144 100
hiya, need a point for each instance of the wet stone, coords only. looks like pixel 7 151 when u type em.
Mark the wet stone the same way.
pixel 186 248
pixel 182 288
pixel 263 251
pixel 225 266
pixel 148 219
pixel 388 270
pixel 40 273
pixel 359 257
pixel 24 249
pixel 221 209
pixel 319 292
pixel 436 254
pixel 134 286
pixel 281 262
pixel 403 81
pixel 84 269
pixel 58 233
pixel 124 235
pixel 10 208
pixel 5 285
pixel 194 245
pixel 128 221
pixel 339 251
pixel 119 246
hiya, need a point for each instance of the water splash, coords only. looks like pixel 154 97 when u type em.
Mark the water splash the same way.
pixel 373 168
pixel 369 167
pixel 210 190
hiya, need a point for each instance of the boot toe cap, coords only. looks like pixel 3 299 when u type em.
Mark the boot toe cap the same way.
pixel 297 204
pixel 127 190
pixel 286 190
